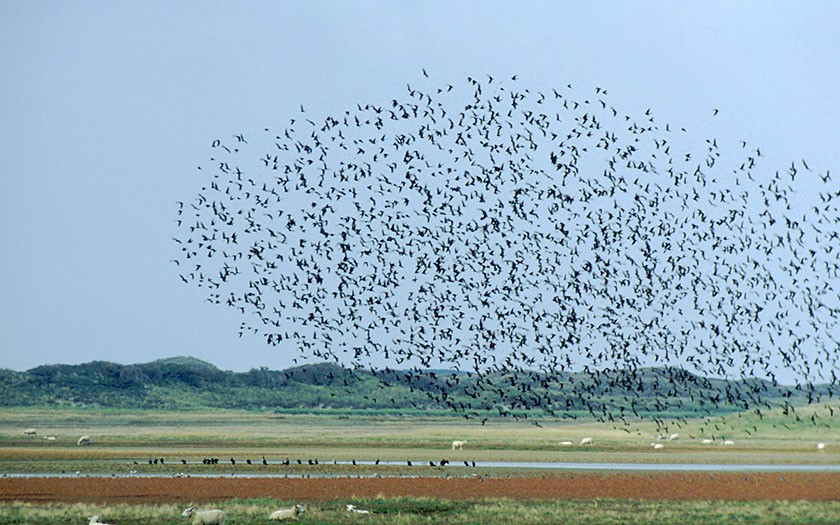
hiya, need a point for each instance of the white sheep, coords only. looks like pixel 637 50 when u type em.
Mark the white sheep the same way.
pixel 30 432
pixel 204 517
pixel 672 437
pixel 458 445
pixel 565 443
pixel 728 443
pixel 657 446
pixel 84 440
pixel 352 508
pixel 586 441
pixel 820 446
pixel 50 438
pixel 708 441
pixel 290 513
pixel 94 520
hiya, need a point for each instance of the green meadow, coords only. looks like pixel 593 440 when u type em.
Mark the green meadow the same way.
pixel 124 440
pixel 410 511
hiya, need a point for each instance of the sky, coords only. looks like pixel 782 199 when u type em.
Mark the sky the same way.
pixel 109 107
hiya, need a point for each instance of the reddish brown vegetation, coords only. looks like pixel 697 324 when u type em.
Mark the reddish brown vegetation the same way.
pixel 652 486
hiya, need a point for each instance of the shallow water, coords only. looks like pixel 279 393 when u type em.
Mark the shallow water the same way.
pixel 672 467
pixel 458 469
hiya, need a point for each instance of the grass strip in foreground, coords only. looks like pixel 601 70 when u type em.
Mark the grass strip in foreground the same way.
pixel 409 511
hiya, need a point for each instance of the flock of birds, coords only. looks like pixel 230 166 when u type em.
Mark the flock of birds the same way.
pixel 308 462
pixel 487 227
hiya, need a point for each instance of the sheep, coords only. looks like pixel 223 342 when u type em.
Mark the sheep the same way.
pixel 204 517
pixel 30 432
pixel 657 446
pixel 84 440
pixel 352 508
pixel 94 520
pixel 586 441
pixel 728 443
pixel 290 513
pixel 820 446
pixel 672 437
pixel 458 445
pixel 565 443
pixel 708 441
pixel 50 438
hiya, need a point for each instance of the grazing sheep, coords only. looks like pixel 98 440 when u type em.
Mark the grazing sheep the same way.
pixel 290 513
pixel 204 517
pixel 708 441
pixel 672 437
pixel 565 443
pixel 728 443
pixel 84 440
pixel 50 438
pixel 352 508
pixel 458 445
pixel 94 520
pixel 30 432
pixel 586 441
pixel 820 446
pixel 657 446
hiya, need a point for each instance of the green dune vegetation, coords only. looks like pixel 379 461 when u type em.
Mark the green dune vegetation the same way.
pixel 188 383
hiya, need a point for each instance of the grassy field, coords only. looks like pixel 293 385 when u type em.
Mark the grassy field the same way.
pixel 124 441
pixel 424 511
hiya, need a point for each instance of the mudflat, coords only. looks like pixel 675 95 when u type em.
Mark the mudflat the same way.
pixel 790 486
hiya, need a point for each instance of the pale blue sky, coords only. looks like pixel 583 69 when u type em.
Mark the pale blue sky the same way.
pixel 108 107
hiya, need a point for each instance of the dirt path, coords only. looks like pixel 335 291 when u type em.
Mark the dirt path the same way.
pixel 652 486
